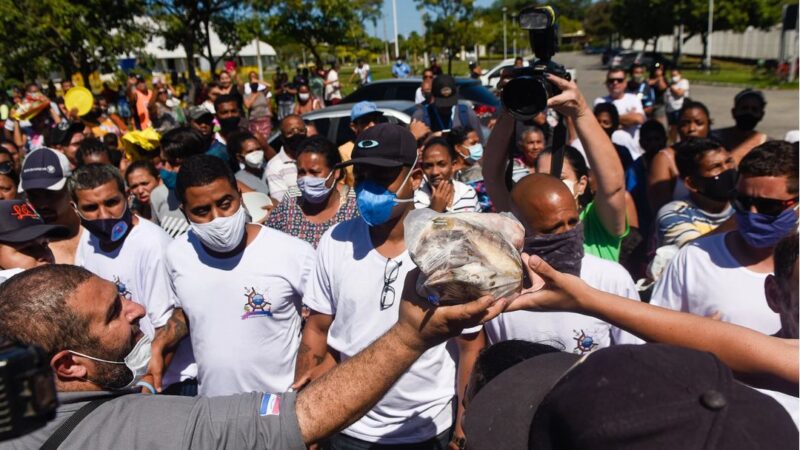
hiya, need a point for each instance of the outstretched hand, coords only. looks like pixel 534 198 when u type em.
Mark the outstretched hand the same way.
pixel 551 290
pixel 425 325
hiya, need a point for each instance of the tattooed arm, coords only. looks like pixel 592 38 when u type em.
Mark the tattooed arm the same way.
pixel 314 357
pixel 164 344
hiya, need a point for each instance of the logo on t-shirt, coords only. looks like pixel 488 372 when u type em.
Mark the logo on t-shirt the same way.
pixel 122 289
pixel 256 304
pixel 583 343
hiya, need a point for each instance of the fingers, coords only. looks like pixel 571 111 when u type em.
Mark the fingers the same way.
pixel 540 268
pixel 301 382
pixel 559 82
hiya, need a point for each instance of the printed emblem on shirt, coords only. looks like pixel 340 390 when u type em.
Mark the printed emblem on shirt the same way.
pixel 121 288
pixel 584 343
pixel 256 304
pixel 270 405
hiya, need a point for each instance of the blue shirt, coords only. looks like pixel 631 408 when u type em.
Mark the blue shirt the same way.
pixel 401 70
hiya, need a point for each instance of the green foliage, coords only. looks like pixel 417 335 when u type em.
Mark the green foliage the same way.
pixel 449 24
pixel 598 21
pixel 66 35
pixel 313 23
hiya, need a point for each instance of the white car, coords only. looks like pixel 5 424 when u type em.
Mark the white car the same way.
pixel 492 76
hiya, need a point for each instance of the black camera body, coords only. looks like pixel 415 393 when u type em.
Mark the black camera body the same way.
pixel 526 93
pixel 28 397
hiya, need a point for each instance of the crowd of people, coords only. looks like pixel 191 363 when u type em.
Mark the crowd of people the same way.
pixel 194 286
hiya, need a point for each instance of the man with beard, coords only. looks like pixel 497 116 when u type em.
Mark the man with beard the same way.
pixel 281 172
pixel 747 111
pixel 127 250
pixel 44 180
pixel 90 338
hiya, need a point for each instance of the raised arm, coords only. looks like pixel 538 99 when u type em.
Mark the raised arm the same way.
pixel 349 390
pixel 606 167
pixel 763 361
pixel 494 162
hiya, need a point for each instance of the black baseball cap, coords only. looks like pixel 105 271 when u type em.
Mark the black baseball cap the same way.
pixel 44 168
pixel 384 145
pixel 444 91
pixel 19 223
pixel 62 133
pixel 651 396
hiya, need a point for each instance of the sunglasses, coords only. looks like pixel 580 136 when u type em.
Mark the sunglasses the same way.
pixel 614 80
pixel 767 206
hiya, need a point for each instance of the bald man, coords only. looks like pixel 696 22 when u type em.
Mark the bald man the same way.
pixel 554 232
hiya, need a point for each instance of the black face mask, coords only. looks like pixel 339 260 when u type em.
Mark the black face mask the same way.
pixel 229 124
pixel 109 230
pixel 293 142
pixel 717 188
pixel 253 87
pixel 746 121
pixel 563 251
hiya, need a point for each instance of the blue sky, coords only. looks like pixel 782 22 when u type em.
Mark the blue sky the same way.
pixel 408 18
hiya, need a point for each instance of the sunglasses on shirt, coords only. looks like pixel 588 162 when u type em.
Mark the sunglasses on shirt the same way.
pixel 767 206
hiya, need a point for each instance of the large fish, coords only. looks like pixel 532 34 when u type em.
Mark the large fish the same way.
pixel 464 256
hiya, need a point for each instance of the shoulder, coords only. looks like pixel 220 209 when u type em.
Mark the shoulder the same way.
pixel 149 234
pixel 160 193
pixel 179 246
pixel 342 233
pixel 673 207
pixel 286 244
pixel 600 273
pixel 463 189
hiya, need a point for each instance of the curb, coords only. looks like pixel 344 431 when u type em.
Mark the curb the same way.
pixel 739 85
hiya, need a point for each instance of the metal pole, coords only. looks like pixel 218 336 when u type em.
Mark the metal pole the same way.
pixel 505 44
pixel 710 30
pixel 258 57
pixel 514 32
pixel 793 64
pixel 385 41
pixel 394 18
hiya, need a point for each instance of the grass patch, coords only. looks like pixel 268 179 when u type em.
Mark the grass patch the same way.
pixel 731 72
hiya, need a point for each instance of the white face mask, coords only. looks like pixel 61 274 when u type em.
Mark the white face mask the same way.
pixel 136 361
pixel 676 78
pixel 314 189
pixel 303 97
pixel 222 234
pixel 254 159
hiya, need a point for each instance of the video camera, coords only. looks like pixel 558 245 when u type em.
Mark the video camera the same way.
pixel 526 94
pixel 27 390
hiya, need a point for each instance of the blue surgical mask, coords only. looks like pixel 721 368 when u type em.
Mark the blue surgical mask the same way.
pixel 375 202
pixel 764 231
pixel 169 178
pixel 314 189
pixel 475 151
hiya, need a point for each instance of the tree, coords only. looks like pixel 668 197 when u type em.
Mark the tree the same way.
pixel 73 36
pixel 643 19
pixel 313 23
pixel 598 23
pixel 449 25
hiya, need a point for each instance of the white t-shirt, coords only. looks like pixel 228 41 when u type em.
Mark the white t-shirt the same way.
pixel 673 103
pixel 571 332
pixel 705 278
pixel 628 103
pixel 280 175
pixel 618 137
pixel 243 311
pixel 333 89
pixel 465 199
pixel 137 268
pixel 419 97
pixel 363 73
pixel 8 273
pixel 790 403
pixel 420 404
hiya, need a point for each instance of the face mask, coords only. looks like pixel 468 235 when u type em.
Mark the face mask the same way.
pixel 254 159
pixel 375 202
pixel 253 87
pixel 293 142
pixel 222 234
pixel 229 124
pixel 763 231
pixel 746 121
pixel 475 151
pixel 169 178
pixel 563 251
pixel 717 188
pixel 676 78
pixel 136 361
pixel 571 185
pixel 314 189
pixel 109 230
pixel 303 97
pixel 638 78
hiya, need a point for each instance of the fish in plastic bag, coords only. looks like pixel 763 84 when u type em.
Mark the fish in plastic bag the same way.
pixel 463 256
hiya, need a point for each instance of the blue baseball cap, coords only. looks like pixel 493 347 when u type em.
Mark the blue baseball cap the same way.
pixel 361 109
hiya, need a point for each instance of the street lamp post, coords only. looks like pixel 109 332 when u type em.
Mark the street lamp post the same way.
pixel 707 62
pixel 514 32
pixel 505 41
pixel 394 18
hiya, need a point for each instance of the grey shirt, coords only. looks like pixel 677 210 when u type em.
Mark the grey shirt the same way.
pixel 252 181
pixel 139 421
pixel 165 207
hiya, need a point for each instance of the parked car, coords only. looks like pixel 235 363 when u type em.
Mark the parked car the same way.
pixel 470 91
pixel 610 53
pixel 627 58
pixel 492 76
pixel 333 122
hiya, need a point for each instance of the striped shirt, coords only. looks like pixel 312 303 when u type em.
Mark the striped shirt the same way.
pixel 465 199
pixel 681 221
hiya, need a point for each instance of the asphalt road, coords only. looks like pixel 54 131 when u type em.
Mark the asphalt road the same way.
pixel 782 105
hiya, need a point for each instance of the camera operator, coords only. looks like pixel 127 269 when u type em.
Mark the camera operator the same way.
pixel 90 335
